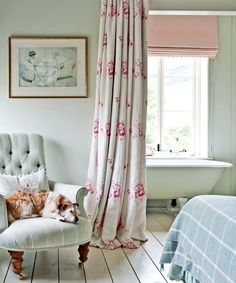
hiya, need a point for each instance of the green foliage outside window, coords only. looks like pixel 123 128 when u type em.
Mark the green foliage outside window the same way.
pixel 178 139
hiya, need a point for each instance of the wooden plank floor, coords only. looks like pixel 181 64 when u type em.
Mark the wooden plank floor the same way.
pixel 103 266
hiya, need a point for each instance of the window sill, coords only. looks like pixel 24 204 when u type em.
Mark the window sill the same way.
pixel 165 155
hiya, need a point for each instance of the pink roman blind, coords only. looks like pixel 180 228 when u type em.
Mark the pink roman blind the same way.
pixel 183 36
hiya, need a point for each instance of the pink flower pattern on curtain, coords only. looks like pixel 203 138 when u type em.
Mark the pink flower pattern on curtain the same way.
pixel 116 200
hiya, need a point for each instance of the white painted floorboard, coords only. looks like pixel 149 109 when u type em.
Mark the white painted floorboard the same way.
pixel 46 267
pixel 4 264
pixel 97 262
pixel 103 266
pixel 69 272
pixel 144 267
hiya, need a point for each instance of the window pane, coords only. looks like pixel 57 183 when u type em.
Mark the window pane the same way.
pixel 177 131
pixel 152 67
pixel 178 66
pixel 178 94
pixel 152 109
pixel 177 104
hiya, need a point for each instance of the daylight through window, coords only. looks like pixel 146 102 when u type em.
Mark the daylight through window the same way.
pixel 177 116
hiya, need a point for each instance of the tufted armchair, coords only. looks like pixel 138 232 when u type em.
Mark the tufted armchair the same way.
pixel 22 154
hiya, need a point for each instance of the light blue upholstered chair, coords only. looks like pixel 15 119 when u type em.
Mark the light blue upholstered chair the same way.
pixel 22 154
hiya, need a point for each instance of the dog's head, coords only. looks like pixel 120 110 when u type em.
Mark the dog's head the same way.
pixel 68 210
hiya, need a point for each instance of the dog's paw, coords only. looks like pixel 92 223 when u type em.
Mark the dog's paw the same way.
pixel 60 218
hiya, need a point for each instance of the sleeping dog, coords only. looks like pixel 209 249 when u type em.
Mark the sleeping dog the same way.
pixel 21 205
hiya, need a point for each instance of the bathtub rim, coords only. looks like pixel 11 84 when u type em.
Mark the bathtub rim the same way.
pixel 186 163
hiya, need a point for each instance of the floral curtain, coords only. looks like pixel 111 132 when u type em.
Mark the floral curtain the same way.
pixel 116 200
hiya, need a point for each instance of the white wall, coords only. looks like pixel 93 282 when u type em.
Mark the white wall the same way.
pixel 222 85
pixel 65 123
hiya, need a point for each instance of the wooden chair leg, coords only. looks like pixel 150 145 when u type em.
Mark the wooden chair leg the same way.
pixel 83 252
pixel 17 261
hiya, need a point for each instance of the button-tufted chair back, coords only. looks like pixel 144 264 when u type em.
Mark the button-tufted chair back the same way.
pixel 21 153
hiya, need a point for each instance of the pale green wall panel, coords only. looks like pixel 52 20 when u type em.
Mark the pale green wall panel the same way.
pixel 233 108
pixel 222 97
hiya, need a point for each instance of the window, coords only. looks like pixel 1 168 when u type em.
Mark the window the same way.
pixel 177 115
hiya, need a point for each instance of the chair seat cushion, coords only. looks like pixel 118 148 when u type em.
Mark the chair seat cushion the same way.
pixel 43 233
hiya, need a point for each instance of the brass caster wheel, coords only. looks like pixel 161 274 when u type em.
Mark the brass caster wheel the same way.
pixel 20 276
pixel 81 264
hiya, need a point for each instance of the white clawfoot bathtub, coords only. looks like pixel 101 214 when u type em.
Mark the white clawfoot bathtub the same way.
pixel 176 178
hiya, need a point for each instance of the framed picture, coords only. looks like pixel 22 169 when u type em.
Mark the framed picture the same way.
pixel 47 67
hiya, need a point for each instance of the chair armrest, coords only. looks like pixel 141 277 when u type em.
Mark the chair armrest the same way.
pixel 74 193
pixel 3 214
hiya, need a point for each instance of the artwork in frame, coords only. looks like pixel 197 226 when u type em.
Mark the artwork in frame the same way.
pixel 47 67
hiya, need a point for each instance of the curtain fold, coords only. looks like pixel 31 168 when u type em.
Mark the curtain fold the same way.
pixel 116 200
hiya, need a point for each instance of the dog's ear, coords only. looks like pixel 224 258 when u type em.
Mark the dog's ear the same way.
pixel 60 202
pixel 62 206
pixel 76 204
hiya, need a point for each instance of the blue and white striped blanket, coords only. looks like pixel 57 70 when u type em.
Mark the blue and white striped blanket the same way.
pixel 201 244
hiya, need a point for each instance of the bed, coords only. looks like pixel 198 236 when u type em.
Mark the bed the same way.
pixel 201 244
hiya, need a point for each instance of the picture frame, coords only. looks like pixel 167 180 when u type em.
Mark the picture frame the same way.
pixel 47 67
